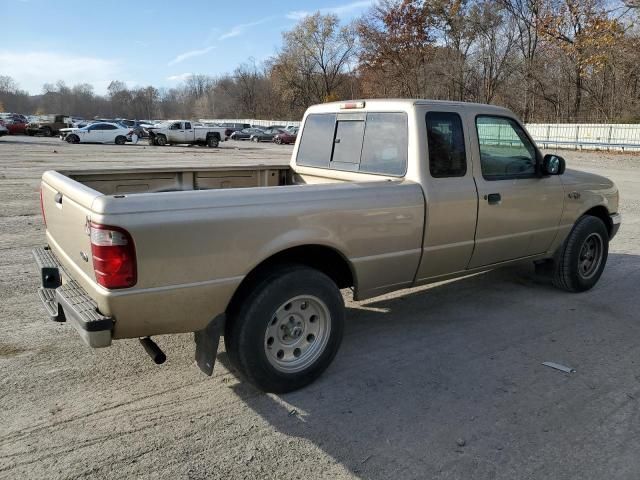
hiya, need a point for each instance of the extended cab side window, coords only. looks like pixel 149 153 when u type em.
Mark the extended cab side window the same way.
pixel 447 156
pixel 505 150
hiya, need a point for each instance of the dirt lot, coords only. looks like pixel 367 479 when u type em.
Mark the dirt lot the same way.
pixel 437 382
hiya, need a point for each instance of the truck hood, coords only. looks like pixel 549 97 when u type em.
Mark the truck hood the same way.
pixel 594 189
pixel 585 180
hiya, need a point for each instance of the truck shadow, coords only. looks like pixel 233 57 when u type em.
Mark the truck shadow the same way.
pixel 447 382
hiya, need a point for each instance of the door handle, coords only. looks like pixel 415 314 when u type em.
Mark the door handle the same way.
pixel 493 198
pixel 58 198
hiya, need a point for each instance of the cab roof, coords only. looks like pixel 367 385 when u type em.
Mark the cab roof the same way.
pixel 406 104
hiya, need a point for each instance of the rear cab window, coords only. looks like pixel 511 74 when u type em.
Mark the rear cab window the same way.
pixel 372 142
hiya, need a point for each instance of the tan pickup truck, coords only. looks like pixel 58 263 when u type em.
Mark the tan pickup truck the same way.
pixel 379 195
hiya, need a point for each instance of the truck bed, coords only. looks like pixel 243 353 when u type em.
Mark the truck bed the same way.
pixel 199 231
pixel 149 180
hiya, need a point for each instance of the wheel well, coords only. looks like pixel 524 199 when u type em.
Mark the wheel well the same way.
pixel 603 214
pixel 322 258
pixel 213 134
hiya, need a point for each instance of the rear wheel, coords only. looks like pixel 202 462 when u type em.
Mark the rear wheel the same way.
pixel 582 258
pixel 47 132
pixel 120 140
pixel 212 141
pixel 288 329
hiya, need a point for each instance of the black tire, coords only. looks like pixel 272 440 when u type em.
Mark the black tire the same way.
pixel 47 132
pixel 161 140
pixel 573 271
pixel 73 139
pixel 212 141
pixel 120 140
pixel 246 329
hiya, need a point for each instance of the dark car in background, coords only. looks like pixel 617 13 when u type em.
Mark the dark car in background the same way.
pixel 139 127
pixel 286 137
pixel 266 135
pixel 233 127
pixel 245 133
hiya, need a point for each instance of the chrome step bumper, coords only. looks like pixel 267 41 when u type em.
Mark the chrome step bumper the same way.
pixel 68 301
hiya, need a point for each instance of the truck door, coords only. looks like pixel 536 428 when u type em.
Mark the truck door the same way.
pixel 189 133
pixel 518 211
pixel 450 193
pixel 175 134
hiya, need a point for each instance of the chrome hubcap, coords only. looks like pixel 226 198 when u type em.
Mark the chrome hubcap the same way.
pixel 297 333
pixel 590 256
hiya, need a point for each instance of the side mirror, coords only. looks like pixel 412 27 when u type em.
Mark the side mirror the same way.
pixel 553 165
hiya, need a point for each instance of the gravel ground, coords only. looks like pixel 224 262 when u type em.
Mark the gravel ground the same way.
pixel 437 382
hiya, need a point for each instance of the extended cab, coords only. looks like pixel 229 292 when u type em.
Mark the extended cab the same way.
pixel 184 132
pixel 380 195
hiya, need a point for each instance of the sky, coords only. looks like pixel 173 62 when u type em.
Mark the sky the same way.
pixel 143 43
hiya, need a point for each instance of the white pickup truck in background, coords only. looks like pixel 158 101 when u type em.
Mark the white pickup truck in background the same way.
pixel 175 132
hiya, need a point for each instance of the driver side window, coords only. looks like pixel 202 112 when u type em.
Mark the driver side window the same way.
pixel 505 149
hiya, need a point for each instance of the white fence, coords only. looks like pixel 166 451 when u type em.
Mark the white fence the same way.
pixel 252 121
pixel 588 136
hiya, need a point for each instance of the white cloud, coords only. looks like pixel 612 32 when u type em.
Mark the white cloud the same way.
pixel 298 14
pixel 340 10
pixel 32 69
pixel 241 28
pixel 192 53
pixel 181 77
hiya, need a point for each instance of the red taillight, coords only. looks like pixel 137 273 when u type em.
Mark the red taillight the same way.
pixel 114 256
pixel 42 207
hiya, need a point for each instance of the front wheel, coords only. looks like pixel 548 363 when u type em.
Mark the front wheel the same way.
pixel 288 329
pixel 582 258
pixel 161 141
pixel 255 139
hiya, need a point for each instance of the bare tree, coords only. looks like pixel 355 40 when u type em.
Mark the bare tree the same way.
pixel 315 54
pixel 496 40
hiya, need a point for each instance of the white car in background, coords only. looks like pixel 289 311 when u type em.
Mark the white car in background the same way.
pixel 99 132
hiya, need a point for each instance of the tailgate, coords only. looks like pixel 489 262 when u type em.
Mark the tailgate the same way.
pixel 67 208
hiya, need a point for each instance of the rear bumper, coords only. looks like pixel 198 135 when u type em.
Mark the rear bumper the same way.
pixel 65 300
pixel 616 220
